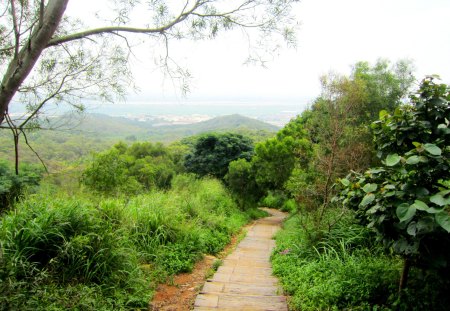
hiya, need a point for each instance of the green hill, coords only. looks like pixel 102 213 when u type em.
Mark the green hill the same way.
pixel 120 128
pixel 231 123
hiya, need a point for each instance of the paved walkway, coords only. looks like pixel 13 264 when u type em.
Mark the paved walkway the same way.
pixel 245 281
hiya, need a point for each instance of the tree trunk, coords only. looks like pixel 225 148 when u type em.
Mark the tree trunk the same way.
pixel 404 276
pixel 16 152
pixel 20 67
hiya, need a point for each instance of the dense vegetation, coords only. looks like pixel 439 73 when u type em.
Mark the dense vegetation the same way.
pixel 83 252
pixel 350 257
pixel 107 228
pixel 369 205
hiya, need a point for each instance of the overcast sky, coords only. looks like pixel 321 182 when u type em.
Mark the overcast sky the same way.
pixel 333 35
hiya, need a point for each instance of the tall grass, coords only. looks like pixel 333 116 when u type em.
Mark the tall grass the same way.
pixel 73 253
pixel 342 270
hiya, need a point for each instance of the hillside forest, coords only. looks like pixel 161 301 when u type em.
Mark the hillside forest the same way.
pixel 96 222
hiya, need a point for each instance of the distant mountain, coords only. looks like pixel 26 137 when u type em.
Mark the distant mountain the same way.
pixel 120 128
pixel 230 122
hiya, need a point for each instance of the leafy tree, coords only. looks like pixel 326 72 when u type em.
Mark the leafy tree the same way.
pixel 406 200
pixel 241 180
pixel 336 126
pixel 123 169
pixel 212 153
pixel 273 162
pixel 385 85
pixel 108 174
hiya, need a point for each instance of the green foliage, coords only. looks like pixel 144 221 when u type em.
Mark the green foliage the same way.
pixel 70 253
pixel 12 186
pixel 242 182
pixel 50 243
pixel 407 199
pixel 273 162
pixel 123 169
pixel 340 271
pixel 212 153
pixel 274 199
pixel 385 85
pixel 336 123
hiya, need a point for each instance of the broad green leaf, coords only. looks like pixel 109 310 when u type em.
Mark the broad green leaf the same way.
pixel 413 160
pixel 433 210
pixel 370 188
pixel 425 225
pixel 412 228
pixel 405 212
pixel 389 194
pixel 433 149
pixel 368 198
pixel 375 170
pixel 423 159
pixel 392 159
pixel 438 199
pixel 421 206
pixel 345 182
pixel 416 144
pixel 382 114
pixel 421 192
pixel 443 219
pixel 373 209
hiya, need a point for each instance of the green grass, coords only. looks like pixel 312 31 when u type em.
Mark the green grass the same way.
pixel 339 271
pixel 346 269
pixel 60 253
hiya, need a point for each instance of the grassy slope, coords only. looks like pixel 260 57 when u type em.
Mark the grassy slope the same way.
pixel 60 253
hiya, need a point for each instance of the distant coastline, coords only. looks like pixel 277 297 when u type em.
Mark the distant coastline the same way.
pixel 176 112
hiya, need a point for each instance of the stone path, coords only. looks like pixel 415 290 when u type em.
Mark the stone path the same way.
pixel 245 281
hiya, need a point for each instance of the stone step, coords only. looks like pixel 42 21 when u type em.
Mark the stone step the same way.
pixel 260 271
pixel 251 279
pixel 240 302
pixel 241 288
pixel 245 281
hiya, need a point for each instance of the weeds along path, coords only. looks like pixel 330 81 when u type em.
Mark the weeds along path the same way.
pixel 245 281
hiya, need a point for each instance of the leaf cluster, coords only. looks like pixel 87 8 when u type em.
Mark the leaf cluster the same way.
pixel 407 199
pixel 212 153
pixel 123 169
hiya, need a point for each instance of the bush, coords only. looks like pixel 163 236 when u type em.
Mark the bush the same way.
pixel 63 242
pixel 274 199
pixel 12 186
pixel 339 271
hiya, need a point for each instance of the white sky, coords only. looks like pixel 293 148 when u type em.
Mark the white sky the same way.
pixel 334 34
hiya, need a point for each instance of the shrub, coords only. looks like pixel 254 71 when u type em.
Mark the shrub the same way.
pixel 12 186
pixel 338 271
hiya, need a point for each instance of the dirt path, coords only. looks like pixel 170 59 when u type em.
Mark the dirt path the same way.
pixel 245 281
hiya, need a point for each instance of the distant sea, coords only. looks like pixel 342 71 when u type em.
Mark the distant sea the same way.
pixel 278 113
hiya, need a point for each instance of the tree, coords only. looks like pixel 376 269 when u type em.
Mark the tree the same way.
pixel 48 58
pixel 123 169
pixel 212 153
pixel 273 162
pixel 337 126
pixel 241 181
pixel 385 85
pixel 406 200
